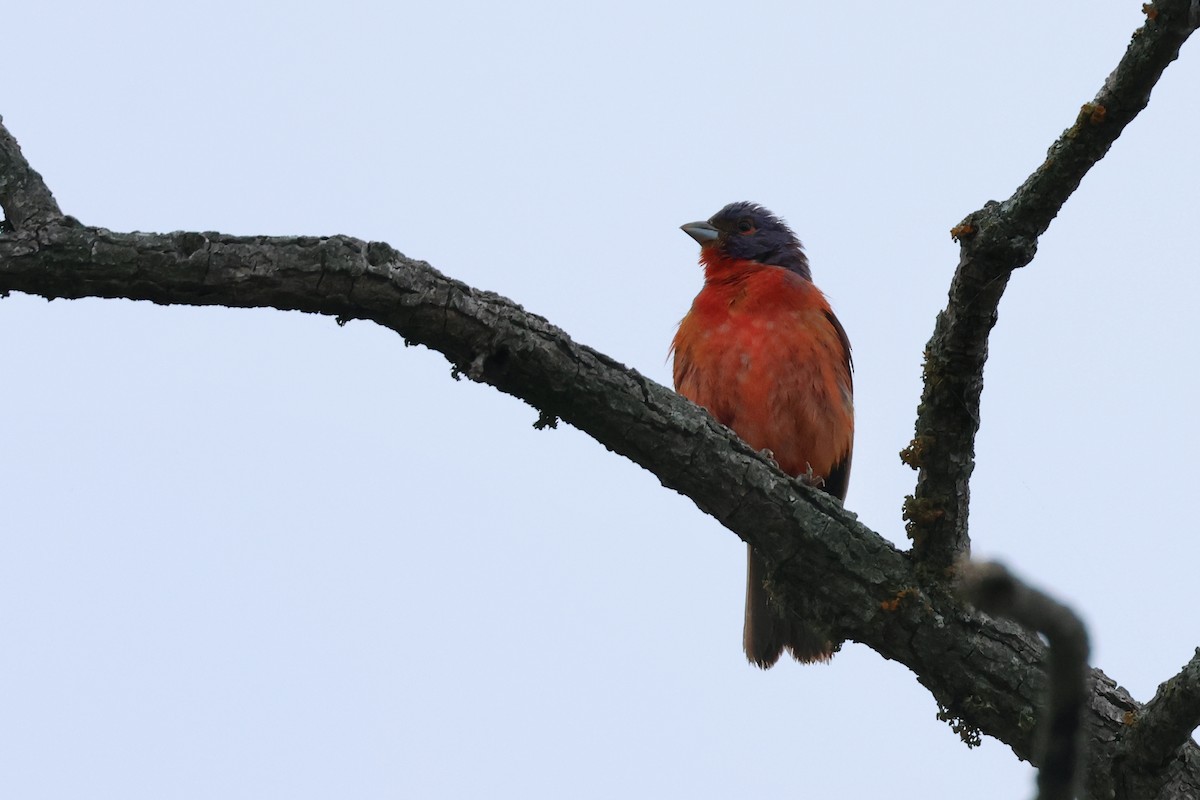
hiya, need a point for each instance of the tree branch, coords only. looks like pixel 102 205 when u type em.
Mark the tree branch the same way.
pixel 1165 725
pixel 994 241
pixel 23 194
pixel 987 674
pixel 994 590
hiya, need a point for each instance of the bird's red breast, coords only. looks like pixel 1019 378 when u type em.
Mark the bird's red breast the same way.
pixel 762 351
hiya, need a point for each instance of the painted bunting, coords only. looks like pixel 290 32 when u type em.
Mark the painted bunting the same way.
pixel 762 351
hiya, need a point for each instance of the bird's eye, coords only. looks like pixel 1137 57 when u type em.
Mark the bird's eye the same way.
pixel 745 226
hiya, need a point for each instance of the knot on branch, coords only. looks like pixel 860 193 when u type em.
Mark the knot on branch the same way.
pixel 190 243
pixel 989 238
pixel 488 366
pixel 1091 114
pixel 381 253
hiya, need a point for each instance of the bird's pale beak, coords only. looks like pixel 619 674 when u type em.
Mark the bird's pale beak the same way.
pixel 702 232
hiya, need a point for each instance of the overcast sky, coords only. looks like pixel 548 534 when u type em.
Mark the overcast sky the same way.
pixel 251 554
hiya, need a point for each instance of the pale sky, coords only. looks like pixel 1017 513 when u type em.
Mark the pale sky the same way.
pixel 252 554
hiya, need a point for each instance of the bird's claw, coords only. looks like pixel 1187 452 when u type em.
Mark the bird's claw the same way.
pixel 809 478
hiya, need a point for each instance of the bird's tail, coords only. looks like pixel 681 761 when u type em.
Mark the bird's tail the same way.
pixel 768 632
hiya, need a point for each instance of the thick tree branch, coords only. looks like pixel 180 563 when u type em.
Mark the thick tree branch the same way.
pixel 994 590
pixel 986 673
pixel 23 194
pixel 1157 735
pixel 994 241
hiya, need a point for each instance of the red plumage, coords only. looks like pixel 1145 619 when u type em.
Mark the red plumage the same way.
pixel 762 351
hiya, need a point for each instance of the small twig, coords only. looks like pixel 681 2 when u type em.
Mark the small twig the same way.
pixel 994 241
pixel 26 200
pixel 994 590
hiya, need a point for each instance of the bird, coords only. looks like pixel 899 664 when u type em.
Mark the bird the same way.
pixel 762 351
